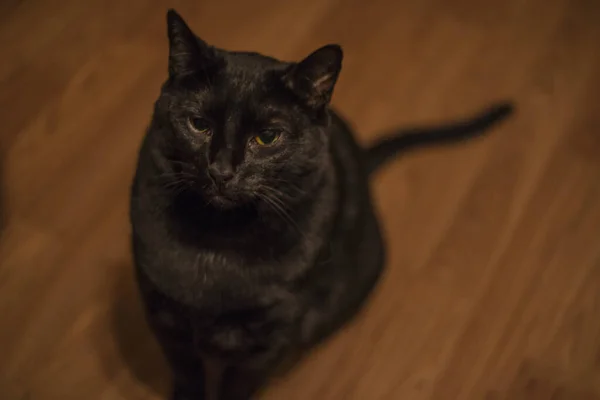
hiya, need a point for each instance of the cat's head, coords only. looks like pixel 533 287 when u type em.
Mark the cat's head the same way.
pixel 244 127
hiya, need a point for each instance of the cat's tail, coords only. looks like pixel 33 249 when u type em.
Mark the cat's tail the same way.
pixel 382 151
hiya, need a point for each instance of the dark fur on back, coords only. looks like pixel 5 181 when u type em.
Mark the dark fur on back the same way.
pixel 254 235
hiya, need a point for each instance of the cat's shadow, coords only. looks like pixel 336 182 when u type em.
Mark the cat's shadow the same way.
pixel 130 355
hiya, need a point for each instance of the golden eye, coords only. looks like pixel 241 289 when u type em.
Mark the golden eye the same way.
pixel 267 137
pixel 200 125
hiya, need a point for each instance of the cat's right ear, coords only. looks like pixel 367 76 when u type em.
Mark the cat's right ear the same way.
pixel 187 53
pixel 313 79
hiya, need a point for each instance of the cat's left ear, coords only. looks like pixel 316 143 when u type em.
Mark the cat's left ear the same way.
pixel 187 52
pixel 313 79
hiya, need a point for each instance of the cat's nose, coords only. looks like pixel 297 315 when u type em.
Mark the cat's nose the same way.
pixel 221 168
pixel 220 174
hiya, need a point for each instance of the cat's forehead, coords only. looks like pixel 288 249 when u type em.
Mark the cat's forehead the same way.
pixel 248 78
pixel 244 84
pixel 250 70
pixel 240 60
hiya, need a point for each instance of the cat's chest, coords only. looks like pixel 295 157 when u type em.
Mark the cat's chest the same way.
pixel 247 331
pixel 244 315
pixel 201 278
pixel 229 325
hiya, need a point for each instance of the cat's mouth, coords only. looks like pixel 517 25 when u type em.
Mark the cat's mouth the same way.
pixel 225 197
pixel 224 202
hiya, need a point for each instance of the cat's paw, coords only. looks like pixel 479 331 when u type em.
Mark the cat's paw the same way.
pixel 187 393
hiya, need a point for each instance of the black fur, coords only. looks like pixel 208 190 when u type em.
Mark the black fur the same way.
pixel 247 255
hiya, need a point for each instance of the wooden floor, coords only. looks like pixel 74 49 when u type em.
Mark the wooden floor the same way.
pixel 493 284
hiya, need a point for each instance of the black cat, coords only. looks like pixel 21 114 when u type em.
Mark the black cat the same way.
pixel 254 235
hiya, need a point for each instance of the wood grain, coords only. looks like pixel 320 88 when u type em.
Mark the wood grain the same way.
pixel 493 285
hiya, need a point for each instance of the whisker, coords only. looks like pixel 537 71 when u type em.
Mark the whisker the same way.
pixel 290 185
pixel 179 162
pixel 171 175
pixel 278 194
pixel 278 206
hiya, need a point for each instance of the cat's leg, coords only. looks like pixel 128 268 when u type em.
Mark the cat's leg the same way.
pixel 175 339
pixel 243 383
pixel 188 372
pixel 171 327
